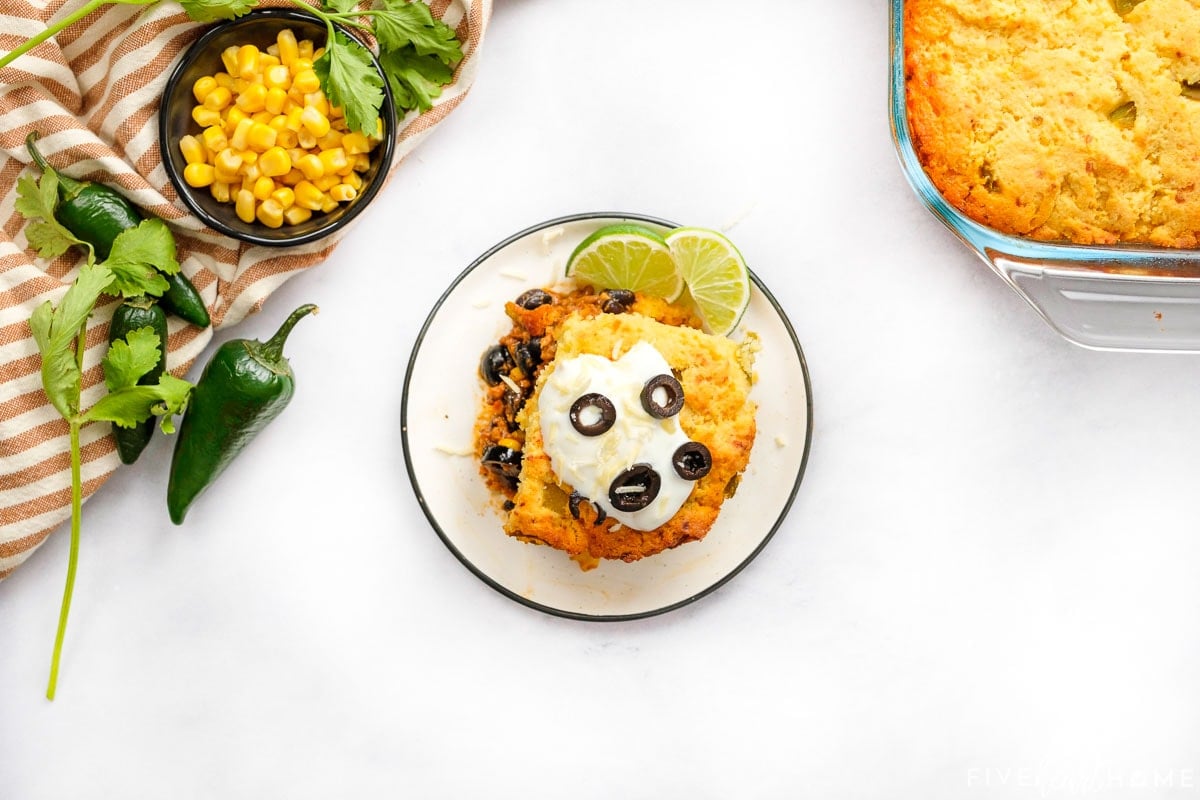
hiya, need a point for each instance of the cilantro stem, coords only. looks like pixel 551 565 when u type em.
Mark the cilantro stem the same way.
pixel 51 31
pixel 76 512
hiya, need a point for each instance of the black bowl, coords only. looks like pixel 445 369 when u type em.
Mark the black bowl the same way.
pixel 259 28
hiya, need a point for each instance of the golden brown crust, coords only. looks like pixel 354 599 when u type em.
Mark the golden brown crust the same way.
pixel 1020 115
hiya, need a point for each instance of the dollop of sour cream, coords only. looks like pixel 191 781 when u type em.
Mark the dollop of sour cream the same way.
pixel 591 463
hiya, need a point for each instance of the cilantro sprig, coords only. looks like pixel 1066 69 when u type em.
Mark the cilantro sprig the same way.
pixel 417 53
pixel 60 333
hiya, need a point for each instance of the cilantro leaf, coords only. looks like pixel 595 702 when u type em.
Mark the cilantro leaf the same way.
pixel 129 405
pixel 37 202
pixel 56 330
pixel 213 10
pixel 137 258
pixel 130 358
pixel 351 81
pixel 340 6
pixel 415 79
pixel 399 23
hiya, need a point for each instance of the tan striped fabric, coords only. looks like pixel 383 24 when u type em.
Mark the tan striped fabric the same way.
pixel 92 93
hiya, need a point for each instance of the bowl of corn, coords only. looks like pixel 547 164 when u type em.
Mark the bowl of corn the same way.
pixel 251 143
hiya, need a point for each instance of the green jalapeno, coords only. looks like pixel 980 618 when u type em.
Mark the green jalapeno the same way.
pixel 97 215
pixel 133 314
pixel 245 385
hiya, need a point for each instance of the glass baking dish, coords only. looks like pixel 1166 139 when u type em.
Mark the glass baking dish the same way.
pixel 1104 297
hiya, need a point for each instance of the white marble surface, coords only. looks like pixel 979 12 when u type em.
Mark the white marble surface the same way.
pixel 986 587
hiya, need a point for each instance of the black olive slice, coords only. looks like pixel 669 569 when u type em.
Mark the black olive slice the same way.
pixel 602 405
pixel 674 393
pixel 635 488
pixel 692 461
pixel 502 460
pixel 533 298
pixel 573 503
pixel 529 355
pixel 495 362
pixel 617 301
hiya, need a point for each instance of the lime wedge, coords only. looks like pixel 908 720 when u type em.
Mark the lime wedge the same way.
pixel 626 256
pixel 715 274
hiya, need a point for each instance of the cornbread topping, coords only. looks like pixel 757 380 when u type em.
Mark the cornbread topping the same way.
pixel 1073 121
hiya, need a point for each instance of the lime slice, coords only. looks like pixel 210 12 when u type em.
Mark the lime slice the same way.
pixel 626 256
pixel 715 274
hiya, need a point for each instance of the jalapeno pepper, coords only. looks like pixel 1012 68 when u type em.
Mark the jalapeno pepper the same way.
pixel 97 215
pixel 133 314
pixel 245 385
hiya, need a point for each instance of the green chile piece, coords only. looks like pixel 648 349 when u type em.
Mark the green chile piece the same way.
pixel 244 386
pixel 131 315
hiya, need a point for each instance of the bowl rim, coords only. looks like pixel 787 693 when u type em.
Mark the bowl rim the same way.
pixel 386 151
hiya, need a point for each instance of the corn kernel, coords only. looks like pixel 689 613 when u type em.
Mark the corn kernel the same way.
pixel 362 162
pixel 329 205
pixel 275 100
pixel 287 139
pixel 354 143
pixel 214 139
pixel 299 65
pixel 220 191
pixel 309 196
pixel 333 160
pixel 330 140
pixel 239 140
pixel 263 117
pixel 311 166
pixel 270 213
pixel 224 80
pixel 229 57
pixel 314 122
pixel 293 177
pixel 305 139
pixel 247 61
pixel 198 175
pixel 278 77
pixel 267 60
pixel 327 182
pixel 233 116
pixel 249 157
pixel 289 49
pixel 285 196
pixel 260 137
pixel 192 149
pixel 251 172
pixel 343 193
pixel 253 99
pixel 305 49
pixel 204 117
pixel 275 162
pixel 245 206
pixel 306 81
pixel 218 98
pixel 263 188
pixel 295 215
pixel 202 87
pixel 353 180
pixel 318 101
pixel 228 160
pixel 293 118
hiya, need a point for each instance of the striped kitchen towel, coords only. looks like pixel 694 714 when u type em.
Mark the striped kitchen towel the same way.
pixel 92 93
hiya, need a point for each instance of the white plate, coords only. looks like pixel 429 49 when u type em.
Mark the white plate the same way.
pixel 442 395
